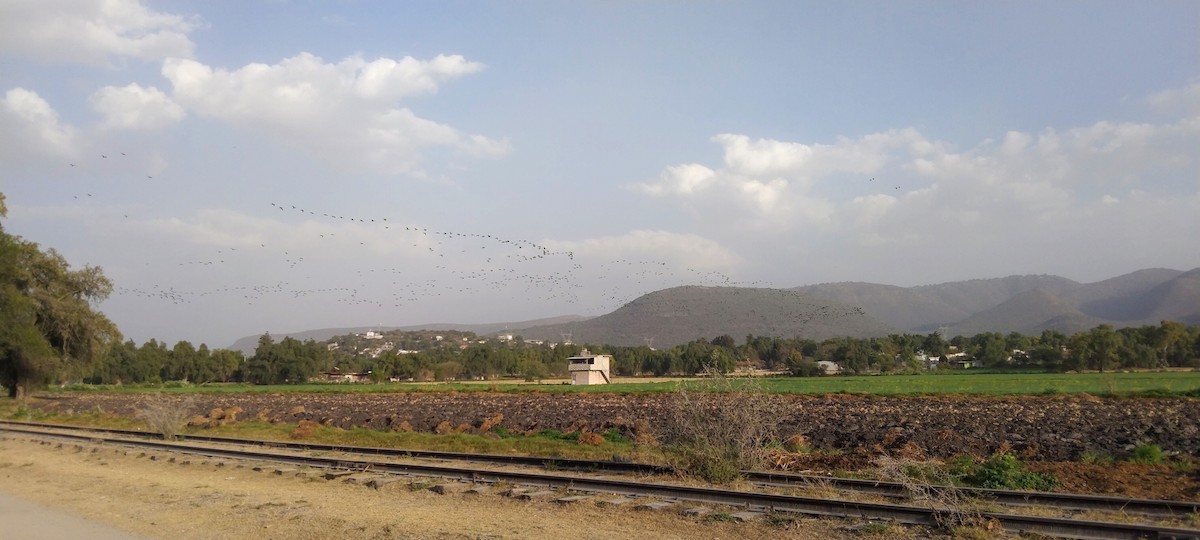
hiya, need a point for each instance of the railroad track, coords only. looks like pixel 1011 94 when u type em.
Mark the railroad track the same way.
pixel 358 459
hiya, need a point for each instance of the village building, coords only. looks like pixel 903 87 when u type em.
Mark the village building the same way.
pixel 590 368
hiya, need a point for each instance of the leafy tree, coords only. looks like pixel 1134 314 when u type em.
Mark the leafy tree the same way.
pixel 724 340
pixel 1169 340
pixel 181 363
pixel 1097 348
pixel 226 364
pixel 153 355
pixel 934 344
pixel 262 368
pixel 48 326
pixel 991 348
pixel 1048 357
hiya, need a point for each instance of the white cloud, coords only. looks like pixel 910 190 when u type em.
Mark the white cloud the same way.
pixel 31 130
pixel 134 107
pixel 680 179
pixel 767 184
pixel 1179 100
pixel 884 198
pixel 343 112
pixel 92 32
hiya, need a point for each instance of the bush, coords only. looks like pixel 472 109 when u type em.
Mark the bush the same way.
pixel 1095 458
pixel 613 435
pixel 722 428
pixel 1147 454
pixel 165 416
pixel 1005 471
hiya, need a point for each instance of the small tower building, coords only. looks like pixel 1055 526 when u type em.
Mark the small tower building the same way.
pixel 590 368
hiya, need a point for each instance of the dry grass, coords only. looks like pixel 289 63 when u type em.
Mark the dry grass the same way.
pixel 928 483
pixel 722 428
pixel 166 416
pixel 203 502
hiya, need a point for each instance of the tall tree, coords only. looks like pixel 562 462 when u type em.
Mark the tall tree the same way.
pixel 47 323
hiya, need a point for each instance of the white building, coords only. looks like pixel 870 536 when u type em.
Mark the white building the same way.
pixel 590 368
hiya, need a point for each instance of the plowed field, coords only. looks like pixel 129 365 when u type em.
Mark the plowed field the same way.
pixel 1037 428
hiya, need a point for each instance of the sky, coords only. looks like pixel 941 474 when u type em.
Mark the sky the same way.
pixel 277 166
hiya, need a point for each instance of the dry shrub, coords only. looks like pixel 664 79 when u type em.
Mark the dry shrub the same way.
pixel 304 429
pixel 910 450
pixel 231 415
pixel 577 425
pixel 642 434
pixel 491 422
pixel 928 482
pixel 263 415
pixel 166 416
pixel 589 438
pixel 297 410
pixel 443 428
pixel 721 428
pixel 462 428
pixel 403 426
pixel 796 443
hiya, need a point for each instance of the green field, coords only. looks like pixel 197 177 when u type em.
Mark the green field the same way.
pixel 1119 384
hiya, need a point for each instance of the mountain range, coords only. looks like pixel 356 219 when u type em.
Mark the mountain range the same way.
pixel 1027 304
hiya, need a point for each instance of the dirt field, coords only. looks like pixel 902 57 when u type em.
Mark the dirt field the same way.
pixel 158 499
pixel 1059 428
pixel 1051 434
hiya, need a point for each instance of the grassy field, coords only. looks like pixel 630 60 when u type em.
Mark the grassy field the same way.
pixel 1119 384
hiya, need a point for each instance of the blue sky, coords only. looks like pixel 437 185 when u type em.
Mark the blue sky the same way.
pixel 533 159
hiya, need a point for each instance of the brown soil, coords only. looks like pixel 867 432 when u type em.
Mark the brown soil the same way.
pixel 158 499
pixel 1125 479
pixel 847 432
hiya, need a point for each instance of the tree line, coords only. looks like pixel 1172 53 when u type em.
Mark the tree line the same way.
pixel 1169 344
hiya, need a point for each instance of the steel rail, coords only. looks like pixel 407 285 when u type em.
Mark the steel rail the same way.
pixel 532 461
pixel 764 501
pixel 1065 501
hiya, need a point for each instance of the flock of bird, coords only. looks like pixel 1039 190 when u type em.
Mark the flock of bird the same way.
pixel 437 265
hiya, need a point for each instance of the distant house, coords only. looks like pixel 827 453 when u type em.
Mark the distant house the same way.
pixel 346 376
pixel 829 368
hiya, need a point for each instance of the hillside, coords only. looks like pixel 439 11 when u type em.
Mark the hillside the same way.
pixel 900 307
pixel 1116 298
pixel 1028 313
pixel 678 315
pixel 1026 304
pixel 1177 299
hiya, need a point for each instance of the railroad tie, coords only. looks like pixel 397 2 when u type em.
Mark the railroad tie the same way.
pixel 531 495
pixel 659 505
